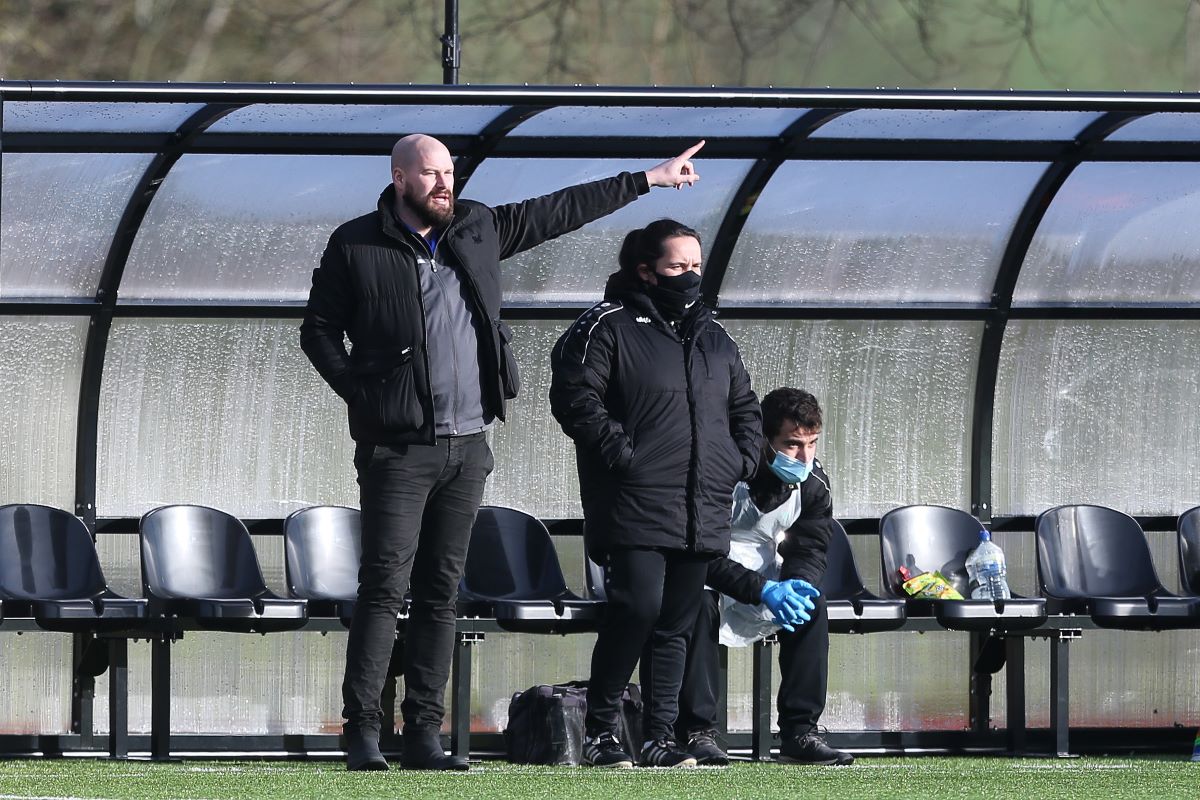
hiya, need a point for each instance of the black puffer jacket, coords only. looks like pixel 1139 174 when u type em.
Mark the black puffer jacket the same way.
pixel 664 423
pixel 367 288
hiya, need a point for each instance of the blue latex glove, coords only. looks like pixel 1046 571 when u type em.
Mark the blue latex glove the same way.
pixel 790 601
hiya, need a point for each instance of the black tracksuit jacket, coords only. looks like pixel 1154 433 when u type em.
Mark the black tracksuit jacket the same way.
pixel 665 423
pixel 368 289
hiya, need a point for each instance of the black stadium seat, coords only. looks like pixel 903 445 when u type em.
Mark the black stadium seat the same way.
pixel 938 538
pixel 513 574
pixel 49 570
pixel 323 547
pixel 1188 534
pixel 850 607
pixel 1095 560
pixel 199 566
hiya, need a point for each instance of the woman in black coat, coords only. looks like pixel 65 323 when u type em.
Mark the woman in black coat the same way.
pixel 655 395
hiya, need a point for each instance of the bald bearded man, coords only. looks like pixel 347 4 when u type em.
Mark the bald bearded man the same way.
pixel 415 286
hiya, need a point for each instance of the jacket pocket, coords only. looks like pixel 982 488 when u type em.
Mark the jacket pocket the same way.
pixel 387 396
pixel 510 376
pixel 730 465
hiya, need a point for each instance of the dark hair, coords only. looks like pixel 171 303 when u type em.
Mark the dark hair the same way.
pixel 645 245
pixel 794 405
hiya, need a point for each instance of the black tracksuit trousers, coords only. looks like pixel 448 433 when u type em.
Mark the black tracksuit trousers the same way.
pixel 803 666
pixel 650 614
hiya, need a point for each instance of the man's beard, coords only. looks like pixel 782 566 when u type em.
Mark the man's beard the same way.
pixel 432 215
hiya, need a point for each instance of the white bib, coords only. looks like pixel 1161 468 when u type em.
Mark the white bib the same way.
pixel 754 539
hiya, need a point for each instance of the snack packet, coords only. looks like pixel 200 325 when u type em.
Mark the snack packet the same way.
pixel 930 586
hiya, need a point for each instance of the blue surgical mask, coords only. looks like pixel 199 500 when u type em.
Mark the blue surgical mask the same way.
pixel 790 470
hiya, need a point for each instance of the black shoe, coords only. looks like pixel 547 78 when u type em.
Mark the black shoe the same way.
pixel 423 750
pixel 812 749
pixel 604 750
pixel 702 746
pixel 362 749
pixel 665 753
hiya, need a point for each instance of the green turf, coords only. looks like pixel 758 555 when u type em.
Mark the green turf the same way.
pixel 883 778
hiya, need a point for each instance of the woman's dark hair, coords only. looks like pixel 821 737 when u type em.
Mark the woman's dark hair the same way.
pixel 645 245
pixel 794 405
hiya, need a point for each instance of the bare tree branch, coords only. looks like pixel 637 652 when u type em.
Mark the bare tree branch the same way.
pixel 864 17
pixel 202 47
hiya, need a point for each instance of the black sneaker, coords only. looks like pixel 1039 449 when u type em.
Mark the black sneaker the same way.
pixel 812 749
pixel 702 746
pixel 605 750
pixel 665 753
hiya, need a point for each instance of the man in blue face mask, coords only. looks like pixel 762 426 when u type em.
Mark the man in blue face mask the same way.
pixel 781 524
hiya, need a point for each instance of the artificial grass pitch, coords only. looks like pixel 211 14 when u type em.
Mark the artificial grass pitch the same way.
pixel 884 778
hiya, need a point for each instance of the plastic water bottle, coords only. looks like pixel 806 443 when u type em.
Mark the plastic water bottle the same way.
pixel 987 570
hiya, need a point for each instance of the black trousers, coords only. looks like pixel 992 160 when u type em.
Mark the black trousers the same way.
pixel 418 505
pixel 803 667
pixel 652 604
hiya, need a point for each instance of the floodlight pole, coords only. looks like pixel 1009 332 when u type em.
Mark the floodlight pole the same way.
pixel 450 45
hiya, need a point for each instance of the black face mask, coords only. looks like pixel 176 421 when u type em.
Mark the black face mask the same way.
pixel 674 293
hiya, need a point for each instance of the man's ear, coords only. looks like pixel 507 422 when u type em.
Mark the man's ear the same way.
pixel 398 177
pixel 646 273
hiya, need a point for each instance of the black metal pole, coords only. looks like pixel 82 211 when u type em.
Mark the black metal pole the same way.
pixel 450 45
pixel 992 341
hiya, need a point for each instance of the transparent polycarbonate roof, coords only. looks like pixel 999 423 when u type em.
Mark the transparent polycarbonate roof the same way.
pixel 1165 126
pixel 246 225
pixel 936 124
pixel 868 255
pixel 346 118
pixel 96 117
pixel 1118 233
pixel 878 232
pixel 644 121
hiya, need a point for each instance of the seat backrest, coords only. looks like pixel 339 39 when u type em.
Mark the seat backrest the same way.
pixel 1188 533
pixel 1093 551
pixel 511 557
pixel 842 579
pixel 46 554
pixel 197 551
pixel 323 547
pixel 926 539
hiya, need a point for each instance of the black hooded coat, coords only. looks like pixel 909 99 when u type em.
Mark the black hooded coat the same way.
pixel 663 418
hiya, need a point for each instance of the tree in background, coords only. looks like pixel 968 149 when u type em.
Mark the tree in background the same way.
pixel 1026 44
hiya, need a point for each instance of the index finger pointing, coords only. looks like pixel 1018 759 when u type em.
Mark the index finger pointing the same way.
pixel 691 151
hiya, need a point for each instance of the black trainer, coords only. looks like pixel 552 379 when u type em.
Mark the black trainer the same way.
pixel 702 746
pixel 362 749
pixel 812 749
pixel 604 750
pixel 665 753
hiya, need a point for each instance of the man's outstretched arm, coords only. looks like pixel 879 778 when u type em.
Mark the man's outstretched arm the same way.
pixel 527 224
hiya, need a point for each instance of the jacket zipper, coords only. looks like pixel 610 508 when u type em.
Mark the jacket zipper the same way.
pixel 424 346
pixel 433 266
pixel 693 462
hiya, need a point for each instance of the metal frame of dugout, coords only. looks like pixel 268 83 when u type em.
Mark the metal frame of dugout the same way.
pixel 768 152
pixel 756 744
